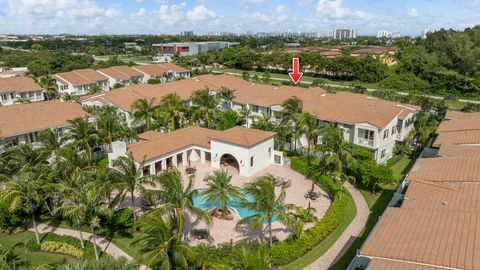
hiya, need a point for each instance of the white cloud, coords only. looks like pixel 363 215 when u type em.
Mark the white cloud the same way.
pixel 333 9
pixel 112 12
pixel 200 13
pixel 413 13
pixel 281 9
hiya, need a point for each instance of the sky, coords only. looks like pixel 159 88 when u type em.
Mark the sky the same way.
pixel 409 17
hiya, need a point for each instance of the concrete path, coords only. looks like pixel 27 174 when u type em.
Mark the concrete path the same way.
pixel 107 246
pixel 346 239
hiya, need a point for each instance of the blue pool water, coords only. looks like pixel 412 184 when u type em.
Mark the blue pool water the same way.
pixel 200 201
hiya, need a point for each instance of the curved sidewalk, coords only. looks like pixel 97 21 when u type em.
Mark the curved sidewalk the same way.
pixel 346 239
pixel 107 246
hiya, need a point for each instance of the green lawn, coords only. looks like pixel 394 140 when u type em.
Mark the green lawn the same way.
pixel 323 247
pixel 377 204
pixel 35 258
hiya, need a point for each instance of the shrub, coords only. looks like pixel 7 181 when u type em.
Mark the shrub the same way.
pixel 73 241
pixel 287 251
pixel 122 220
pixel 10 220
pixel 60 247
pixel 31 245
pixel 154 81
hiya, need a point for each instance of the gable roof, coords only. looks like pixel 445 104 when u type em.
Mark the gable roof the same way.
pixel 382 264
pixel 446 169
pixel 243 136
pixel 80 76
pixel 35 116
pixel 121 72
pixel 18 84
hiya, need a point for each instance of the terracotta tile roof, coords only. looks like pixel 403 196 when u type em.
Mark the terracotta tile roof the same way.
pixel 441 238
pixel 460 137
pixel 458 115
pixel 341 107
pixel 81 76
pixel 460 124
pixel 161 144
pixel 23 118
pixel 450 150
pixel 243 136
pixel 159 69
pixel 381 264
pixel 18 84
pixel 370 51
pixel 456 197
pixel 446 169
pixel 121 72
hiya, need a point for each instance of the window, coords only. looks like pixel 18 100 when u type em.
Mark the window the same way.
pixel 385 134
pixel 394 130
pixel 12 96
pixel 269 152
pixel 4 97
pixel 382 154
pixel 255 108
pixel 251 161
pixel 368 135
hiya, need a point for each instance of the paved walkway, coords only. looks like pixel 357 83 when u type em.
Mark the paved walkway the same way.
pixel 107 246
pixel 346 239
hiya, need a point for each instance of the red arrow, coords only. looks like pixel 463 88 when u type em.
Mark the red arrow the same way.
pixel 295 75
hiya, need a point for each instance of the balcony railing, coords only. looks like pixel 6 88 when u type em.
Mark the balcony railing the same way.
pixel 363 141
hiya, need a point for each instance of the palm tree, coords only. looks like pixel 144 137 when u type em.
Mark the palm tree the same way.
pixel 220 190
pixel 204 106
pixel 424 126
pixel 11 260
pixel 175 198
pixel 95 90
pixel 51 141
pixel 252 257
pixel 309 127
pixel 265 203
pixel 337 153
pixel 246 114
pixel 299 218
pixel 83 135
pixel 131 175
pixel 159 247
pixel 291 116
pixel 143 111
pixel 23 156
pixel 227 95
pixel 111 127
pixel 25 193
pixel 48 84
pixel 69 97
pixel 173 109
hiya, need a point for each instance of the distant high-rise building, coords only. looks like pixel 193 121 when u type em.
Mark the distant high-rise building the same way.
pixel 347 33
pixel 186 33
pixel 388 34
pixel 425 32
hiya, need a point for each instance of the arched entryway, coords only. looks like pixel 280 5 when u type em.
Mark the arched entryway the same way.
pixel 228 161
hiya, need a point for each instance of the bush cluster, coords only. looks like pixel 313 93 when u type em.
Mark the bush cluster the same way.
pixel 10 220
pixel 87 252
pixel 60 247
pixel 287 251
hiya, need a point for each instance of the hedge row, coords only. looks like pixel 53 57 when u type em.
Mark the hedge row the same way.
pixel 60 247
pixel 88 252
pixel 293 248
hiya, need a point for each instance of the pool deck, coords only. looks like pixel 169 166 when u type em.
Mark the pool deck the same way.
pixel 222 231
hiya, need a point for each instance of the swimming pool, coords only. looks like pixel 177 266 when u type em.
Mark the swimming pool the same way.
pixel 200 201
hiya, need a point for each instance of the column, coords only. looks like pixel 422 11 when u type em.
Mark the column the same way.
pixel 185 159
pixel 202 157
pixel 152 169
pixel 174 161
pixel 164 164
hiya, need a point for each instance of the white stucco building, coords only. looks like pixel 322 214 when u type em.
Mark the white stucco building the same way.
pixel 19 89
pixel 121 75
pixel 79 82
pixel 246 150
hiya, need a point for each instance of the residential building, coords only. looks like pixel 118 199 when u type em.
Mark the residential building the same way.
pixel 80 81
pixel 385 54
pixel 367 121
pixel 186 33
pixel 247 150
pixel 19 89
pixel 191 48
pixel 388 34
pixel 347 33
pixel 162 71
pixel 132 46
pixel 436 225
pixel 122 75
pixel 21 123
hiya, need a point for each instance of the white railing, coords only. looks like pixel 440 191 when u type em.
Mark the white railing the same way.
pixel 363 141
